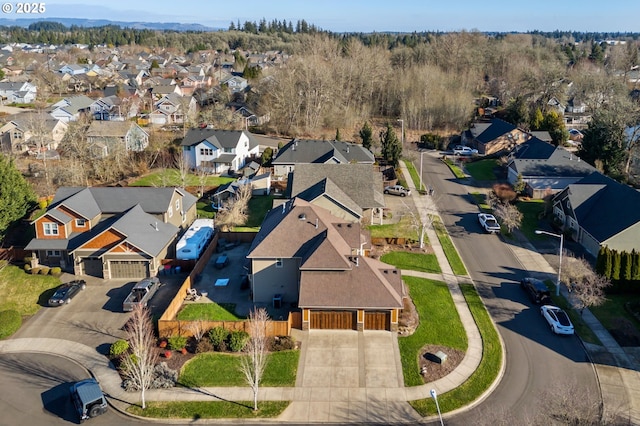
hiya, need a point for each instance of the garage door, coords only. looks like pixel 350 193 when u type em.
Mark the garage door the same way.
pixel 377 320
pixel 92 266
pixel 129 269
pixel 333 320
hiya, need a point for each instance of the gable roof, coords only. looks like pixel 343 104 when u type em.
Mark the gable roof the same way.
pixel 108 128
pixel 561 163
pixel 89 202
pixel 348 184
pixel 487 132
pixel 300 151
pixel 218 138
pixel 602 206
pixel 326 187
pixel 145 231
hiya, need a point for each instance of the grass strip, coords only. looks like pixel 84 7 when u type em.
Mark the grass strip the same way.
pixel 485 374
pixel 439 325
pixel 210 409
pixel 580 327
pixel 447 246
pixel 414 175
pixel 457 171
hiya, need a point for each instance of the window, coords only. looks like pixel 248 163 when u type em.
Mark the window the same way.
pixel 170 211
pixel 206 151
pixel 279 262
pixel 228 150
pixel 50 228
pixel 177 205
pixel 53 253
pixel 81 223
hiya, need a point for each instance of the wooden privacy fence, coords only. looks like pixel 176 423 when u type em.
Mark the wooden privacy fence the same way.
pixel 168 328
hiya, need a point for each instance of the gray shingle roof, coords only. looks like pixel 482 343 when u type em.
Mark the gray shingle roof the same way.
pixel 561 163
pixel 145 231
pixel 604 207
pixel 326 187
pixel 313 151
pixel 360 182
pixel 487 132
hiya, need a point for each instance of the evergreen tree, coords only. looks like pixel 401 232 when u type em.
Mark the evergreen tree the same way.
pixel 16 195
pixel 536 119
pixel 391 148
pixel 267 156
pixel 338 137
pixel 616 258
pixel 635 265
pixel 605 140
pixel 603 263
pixel 366 134
pixel 520 185
pixel 554 124
pixel 625 266
pixel 517 111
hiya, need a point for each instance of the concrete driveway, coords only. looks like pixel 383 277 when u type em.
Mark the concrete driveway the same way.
pixel 95 317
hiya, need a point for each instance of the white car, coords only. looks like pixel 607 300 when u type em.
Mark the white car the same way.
pixel 464 150
pixel 397 190
pixel 558 319
pixel 488 222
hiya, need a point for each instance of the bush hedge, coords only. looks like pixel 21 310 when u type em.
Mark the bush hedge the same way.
pixel 118 348
pixel 177 342
pixel 10 322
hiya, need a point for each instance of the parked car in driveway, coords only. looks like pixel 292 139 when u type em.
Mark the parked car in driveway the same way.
pixel 488 222
pixel 536 290
pixel 141 293
pixel 557 319
pixel 397 190
pixel 66 292
pixel 464 150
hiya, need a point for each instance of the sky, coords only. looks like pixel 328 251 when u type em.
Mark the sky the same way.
pixel 368 15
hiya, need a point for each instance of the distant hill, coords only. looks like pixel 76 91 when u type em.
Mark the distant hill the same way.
pixel 87 23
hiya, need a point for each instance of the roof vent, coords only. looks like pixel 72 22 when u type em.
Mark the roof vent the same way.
pixel 302 216
pixel 155 226
pixel 356 260
pixel 347 149
pixel 349 225
pixel 316 223
pixel 284 208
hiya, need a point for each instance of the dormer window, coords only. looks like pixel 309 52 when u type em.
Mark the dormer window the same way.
pixel 81 223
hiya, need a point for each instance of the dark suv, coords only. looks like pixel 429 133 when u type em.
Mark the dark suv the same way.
pixel 88 399
pixel 537 291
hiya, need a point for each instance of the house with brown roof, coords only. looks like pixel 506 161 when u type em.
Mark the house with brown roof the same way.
pixel 305 256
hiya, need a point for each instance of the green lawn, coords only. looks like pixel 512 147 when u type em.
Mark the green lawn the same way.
pixel 223 369
pixel 447 246
pixel 414 261
pixel 259 205
pixel 24 292
pixel 205 210
pixel 210 409
pixel 209 312
pixel 482 169
pixel 485 374
pixel 439 325
pixel 531 210
pixel 614 308
pixel 457 171
pixel 171 177
pixel 401 229
pixel 414 174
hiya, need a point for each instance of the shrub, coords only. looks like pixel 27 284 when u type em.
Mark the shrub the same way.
pixel 281 343
pixel 504 192
pixel 177 342
pixel 44 270
pixel 163 343
pixel 27 267
pixel 56 271
pixel 238 340
pixel 42 203
pixel 204 345
pixel 118 348
pixel 28 259
pixel 35 271
pixel 10 322
pixel 218 336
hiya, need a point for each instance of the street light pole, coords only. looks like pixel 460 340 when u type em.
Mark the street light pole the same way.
pixel 561 236
pixel 434 395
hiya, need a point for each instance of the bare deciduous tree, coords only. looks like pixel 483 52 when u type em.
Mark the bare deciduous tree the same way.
pixel 198 328
pixel 254 362
pixel 235 211
pixel 509 215
pixel 139 365
pixel 586 285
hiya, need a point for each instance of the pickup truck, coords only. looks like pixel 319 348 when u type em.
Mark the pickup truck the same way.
pixel 141 293
pixel 488 222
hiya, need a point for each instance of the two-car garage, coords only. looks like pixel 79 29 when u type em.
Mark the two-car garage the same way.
pixel 348 320
pixel 94 267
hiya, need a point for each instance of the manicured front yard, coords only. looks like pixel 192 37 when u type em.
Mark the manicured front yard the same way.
pixel 208 312
pixel 439 325
pixel 613 310
pixel 23 292
pixel 210 409
pixel 531 210
pixel 223 369
pixel 482 169
pixel 485 374
pixel 414 261
pixel 171 177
